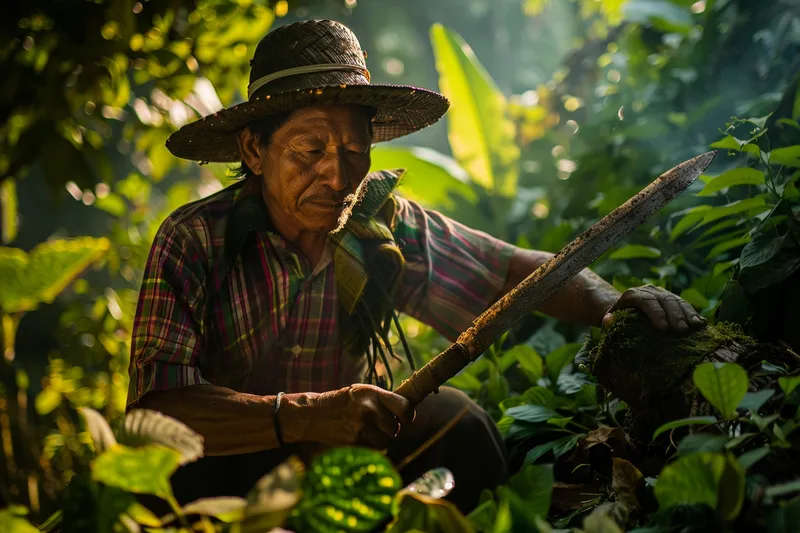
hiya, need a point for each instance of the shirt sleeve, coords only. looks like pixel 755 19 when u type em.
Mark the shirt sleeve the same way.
pixel 168 327
pixel 452 274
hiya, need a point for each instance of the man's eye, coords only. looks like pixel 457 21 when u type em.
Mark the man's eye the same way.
pixel 315 151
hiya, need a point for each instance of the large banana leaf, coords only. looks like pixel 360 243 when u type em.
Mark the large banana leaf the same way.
pixel 481 134
pixel 28 279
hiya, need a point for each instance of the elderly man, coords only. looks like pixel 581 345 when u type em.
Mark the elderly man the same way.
pixel 263 313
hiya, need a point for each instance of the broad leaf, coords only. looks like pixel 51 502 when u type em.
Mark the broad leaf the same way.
pixel 723 385
pixel 748 207
pixel 481 134
pixel 531 413
pixel 145 426
pixel 559 358
pixel 144 470
pixel 224 508
pixel 47 400
pixel 788 156
pixel 783 489
pixel 540 396
pixel 530 361
pixel 711 478
pixel 695 298
pixel 99 429
pixel 753 401
pixel 14 523
pixel 788 384
pixel 635 251
pixel 273 497
pixel 8 210
pixel 418 512
pixel 431 178
pixel 691 217
pixel 533 485
pixel 732 178
pixel 350 489
pixel 559 447
pixel 702 442
pixel 39 276
pixel 732 143
pixel 692 420
pixel 750 458
pixel 760 250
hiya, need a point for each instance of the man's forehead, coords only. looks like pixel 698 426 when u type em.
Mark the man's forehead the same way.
pixel 338 117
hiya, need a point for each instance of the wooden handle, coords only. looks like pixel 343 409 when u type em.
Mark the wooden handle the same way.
pixel 430 377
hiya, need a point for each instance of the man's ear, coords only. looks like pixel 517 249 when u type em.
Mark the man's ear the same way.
pixel 248 148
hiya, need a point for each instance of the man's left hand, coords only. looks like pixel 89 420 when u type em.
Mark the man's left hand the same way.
pixel 665 310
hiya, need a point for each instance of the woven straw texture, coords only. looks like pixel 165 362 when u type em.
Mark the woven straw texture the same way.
pixel 401 109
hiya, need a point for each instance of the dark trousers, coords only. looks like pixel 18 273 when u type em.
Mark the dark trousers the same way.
pixel 472 450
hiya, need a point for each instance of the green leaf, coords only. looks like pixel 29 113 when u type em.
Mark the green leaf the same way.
pixel 144 470
pixel 724 246
pixel 47 400
pixel 531 413
pixel 13 523
pixel 712 478
pixel 482 137
pixel 788 384
pixel 273 497
pixel 635 251
pixel 691 217
pixel 346 489
pixel 732 178
pixel 533 485
pixel 695 298
pixel 750 458
pixel 558 359
pixel 784 518
pixel 112 204
pixel 702 442
pixel 732 143
pixel 788 156
pixel 145 426
pixel 8 210
pixel 689 421
pixel 753 401
pixel 39 276
pixel 530 361
pixel 783 489
pixel 419 512
pixel 431 178
pixel 760 250
pixel 663 13
pixel 723 385
pixel 540 396
pixel 749 206
pixel 565 444
pixel 558 446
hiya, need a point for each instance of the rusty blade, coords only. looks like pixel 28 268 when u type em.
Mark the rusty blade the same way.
pixel 579 254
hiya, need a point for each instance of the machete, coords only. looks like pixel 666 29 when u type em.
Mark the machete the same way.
pixel 559 269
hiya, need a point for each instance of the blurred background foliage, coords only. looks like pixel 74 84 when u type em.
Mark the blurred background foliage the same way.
pixel 561 110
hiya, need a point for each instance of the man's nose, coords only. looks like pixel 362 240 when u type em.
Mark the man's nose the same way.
pixel 334 171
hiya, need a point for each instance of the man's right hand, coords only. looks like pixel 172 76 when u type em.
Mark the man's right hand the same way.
pixel 358 415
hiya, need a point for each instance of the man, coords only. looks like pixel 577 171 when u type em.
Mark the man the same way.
pixel 264 307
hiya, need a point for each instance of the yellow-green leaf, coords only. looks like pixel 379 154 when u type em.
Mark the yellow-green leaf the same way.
pixel 636 251
pixel 723 385
pixel 431 178
pixel 41 275
pixel 789 383
pixel 481 134
pixel 144 470
pixel 8 210
pixel 788 156
pixel 13 523
pixel 732 178
pixel 47 400
pixel 712 478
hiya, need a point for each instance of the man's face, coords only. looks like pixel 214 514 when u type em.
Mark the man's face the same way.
pixel 313 165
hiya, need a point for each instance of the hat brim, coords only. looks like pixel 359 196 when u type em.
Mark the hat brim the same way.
pixel 401 109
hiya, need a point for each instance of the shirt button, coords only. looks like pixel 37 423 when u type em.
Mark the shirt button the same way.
pixel 297 350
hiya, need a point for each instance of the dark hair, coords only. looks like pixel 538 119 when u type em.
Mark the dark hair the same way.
pixel 265 128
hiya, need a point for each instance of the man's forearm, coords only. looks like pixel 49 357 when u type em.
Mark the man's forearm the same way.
pixel 583 300
pixel 232 422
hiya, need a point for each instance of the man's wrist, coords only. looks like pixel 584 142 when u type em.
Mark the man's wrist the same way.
pixel 296 416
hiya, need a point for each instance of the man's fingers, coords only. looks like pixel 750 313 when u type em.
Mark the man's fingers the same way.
pixel 651 307
pixel 385 422
pixel 397 405
pixel 694 318
pixel 674 311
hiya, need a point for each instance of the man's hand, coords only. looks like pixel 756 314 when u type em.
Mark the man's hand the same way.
pixel 358 415
pixel 664 309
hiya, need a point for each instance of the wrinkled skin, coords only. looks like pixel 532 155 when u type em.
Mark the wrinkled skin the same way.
pixel 664 309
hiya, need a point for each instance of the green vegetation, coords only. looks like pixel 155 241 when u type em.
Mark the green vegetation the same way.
pixel 572 108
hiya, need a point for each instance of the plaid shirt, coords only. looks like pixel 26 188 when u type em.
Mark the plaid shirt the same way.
pixel 272 322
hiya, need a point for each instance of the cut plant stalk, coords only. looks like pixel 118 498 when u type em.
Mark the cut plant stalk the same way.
pixel 562 267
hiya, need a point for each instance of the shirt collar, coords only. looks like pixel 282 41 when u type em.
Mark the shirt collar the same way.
pixel 248 215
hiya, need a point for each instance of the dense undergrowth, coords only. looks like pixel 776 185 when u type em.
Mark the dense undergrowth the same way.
pixel 623 430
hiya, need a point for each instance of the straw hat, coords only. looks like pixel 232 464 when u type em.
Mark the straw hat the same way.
pixel 306 63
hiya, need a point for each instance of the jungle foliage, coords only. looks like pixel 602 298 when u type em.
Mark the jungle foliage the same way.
pixel 533 150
